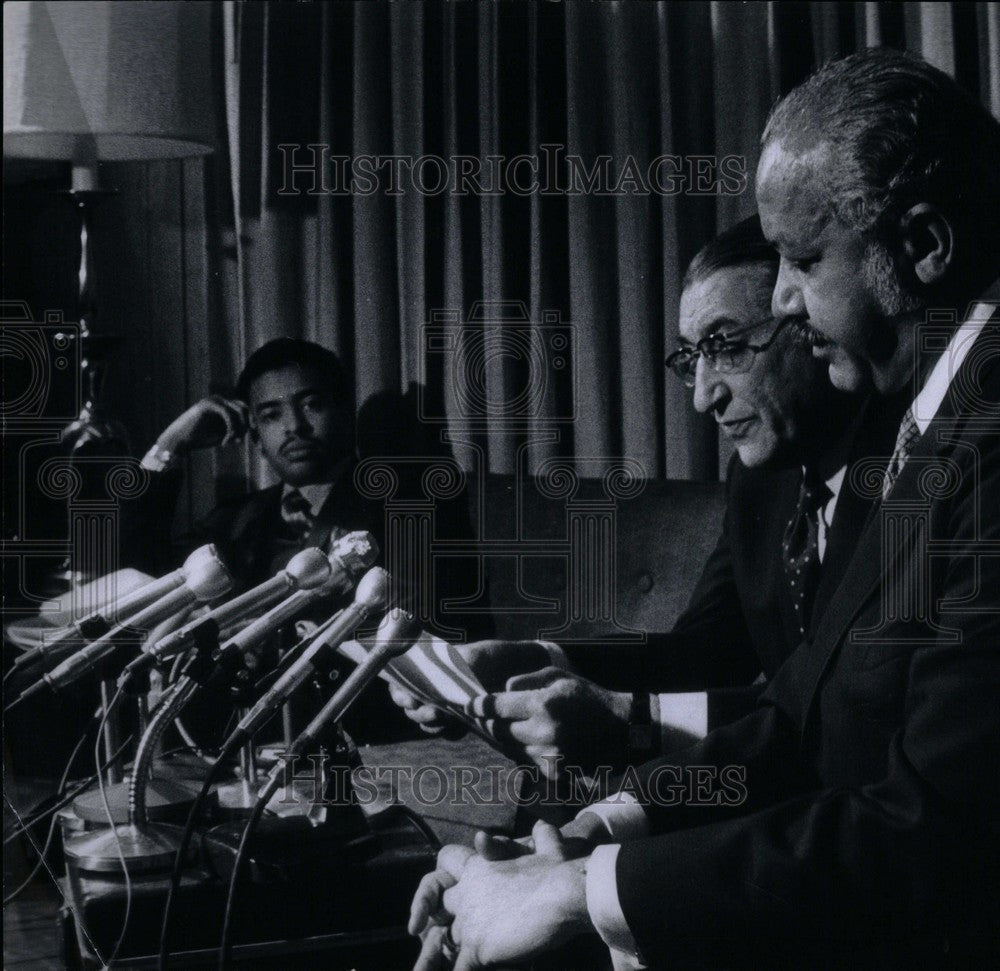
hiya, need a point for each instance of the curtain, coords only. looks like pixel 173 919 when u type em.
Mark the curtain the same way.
pixel 508 329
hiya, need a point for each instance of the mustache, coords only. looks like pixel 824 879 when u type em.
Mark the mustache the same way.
pixel 802 330
pixel 297 442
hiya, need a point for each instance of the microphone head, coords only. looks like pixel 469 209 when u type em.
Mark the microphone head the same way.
pixel 373 589
pixel 205 574
pixel 354 552
pixel 397 632
pixel 309 569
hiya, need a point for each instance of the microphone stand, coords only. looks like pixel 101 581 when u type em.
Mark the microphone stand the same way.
pixel 237 798
pixel 145 846
pixel 112 732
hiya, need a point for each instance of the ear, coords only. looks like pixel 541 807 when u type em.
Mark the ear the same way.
pixel 928 241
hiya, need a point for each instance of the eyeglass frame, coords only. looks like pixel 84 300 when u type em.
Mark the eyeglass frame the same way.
pixel 698 350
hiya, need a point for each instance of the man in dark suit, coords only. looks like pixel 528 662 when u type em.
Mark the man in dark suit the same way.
pixel 856 808
pixel 291 398
pixel 788 425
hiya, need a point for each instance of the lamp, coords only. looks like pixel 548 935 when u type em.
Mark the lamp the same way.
pixel 92 82
pixel 89 82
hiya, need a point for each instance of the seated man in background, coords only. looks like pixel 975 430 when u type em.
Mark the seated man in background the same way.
pixel 785 512
pixel 292 400
pixel 867 826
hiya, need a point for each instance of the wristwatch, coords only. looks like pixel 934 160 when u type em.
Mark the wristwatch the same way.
pixel 158 459
pixel 642 735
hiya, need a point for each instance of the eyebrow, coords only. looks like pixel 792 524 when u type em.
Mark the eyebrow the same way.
pixel 297 396
pixel 719 324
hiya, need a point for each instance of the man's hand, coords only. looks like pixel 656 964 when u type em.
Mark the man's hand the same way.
pixel 556 714
pixel 506 912
pixel 214 420
pixel 430 719
pixel 430 914
pixel 493 662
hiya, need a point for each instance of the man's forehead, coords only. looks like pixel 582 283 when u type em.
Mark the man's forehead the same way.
pixel 728 299
pixel 791 194
pixel 285 384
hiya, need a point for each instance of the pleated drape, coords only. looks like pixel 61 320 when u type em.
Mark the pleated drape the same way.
pixel 364 274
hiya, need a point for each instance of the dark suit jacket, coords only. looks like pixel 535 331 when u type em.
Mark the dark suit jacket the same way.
pixel 739 622
pixel 871 801
pixel 250 534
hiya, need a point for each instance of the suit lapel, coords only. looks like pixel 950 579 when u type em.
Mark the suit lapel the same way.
pixel 254 530
pixel 343 510
pixel 866 567
pixel 325 521
pixel 848 524
pixel 875 437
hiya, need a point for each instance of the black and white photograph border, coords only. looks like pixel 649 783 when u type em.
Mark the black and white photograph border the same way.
pixel 500 484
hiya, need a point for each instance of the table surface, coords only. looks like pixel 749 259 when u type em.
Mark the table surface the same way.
pixel 458 787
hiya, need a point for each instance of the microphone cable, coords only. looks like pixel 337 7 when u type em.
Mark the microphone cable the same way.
pixel 111 822
pixel 55 883
pixel 39 811
pixel 36 814
pixel 182 850
pixel 241 853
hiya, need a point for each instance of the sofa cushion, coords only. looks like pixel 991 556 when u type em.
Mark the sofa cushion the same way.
pixel 566 561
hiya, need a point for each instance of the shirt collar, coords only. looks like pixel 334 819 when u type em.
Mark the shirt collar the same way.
pixel 928 400
pixel 315 494
pixel 318 492
pixel 834 484
pixel 836 481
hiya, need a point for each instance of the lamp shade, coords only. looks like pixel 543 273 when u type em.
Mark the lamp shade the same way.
pixel 106 81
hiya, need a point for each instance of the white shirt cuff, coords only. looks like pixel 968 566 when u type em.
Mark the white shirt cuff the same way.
pixel 602 900
pixel 622 816
pixel 682 712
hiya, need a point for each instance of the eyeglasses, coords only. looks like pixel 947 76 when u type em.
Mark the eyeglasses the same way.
pixel 722 353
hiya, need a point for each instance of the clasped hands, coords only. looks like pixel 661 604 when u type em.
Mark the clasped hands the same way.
pixel 505 901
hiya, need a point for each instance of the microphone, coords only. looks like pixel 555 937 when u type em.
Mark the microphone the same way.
pixel 349 555
pixel 205 579
pixel 395 636
pixel 100 621
pixel 308 569
pixel 369 596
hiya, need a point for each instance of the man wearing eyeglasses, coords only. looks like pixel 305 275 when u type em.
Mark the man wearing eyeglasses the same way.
pixel 870 835
pixel 778 552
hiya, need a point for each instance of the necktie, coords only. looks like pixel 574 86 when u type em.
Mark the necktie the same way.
pixel 297 513
pixel 906 440
pixel 800 549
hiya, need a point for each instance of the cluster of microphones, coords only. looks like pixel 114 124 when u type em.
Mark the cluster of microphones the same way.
pixel 221 639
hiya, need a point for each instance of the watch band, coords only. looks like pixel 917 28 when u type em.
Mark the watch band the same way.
pixel 158 459
pixel 642 736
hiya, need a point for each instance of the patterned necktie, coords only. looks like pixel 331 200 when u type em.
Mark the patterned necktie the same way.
pixel 297 513
pixel 800 549
pixel 906 440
